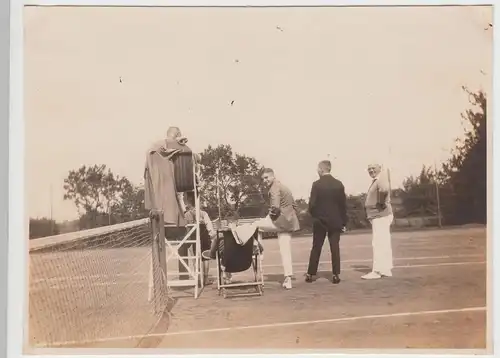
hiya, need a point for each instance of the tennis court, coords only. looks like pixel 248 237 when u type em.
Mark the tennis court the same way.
pixel 436 299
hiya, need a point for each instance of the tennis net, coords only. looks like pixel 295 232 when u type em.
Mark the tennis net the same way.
pixel 95 286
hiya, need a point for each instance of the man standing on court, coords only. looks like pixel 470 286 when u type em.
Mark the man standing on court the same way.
pixel 282 219
pixel 327 206
pixel 379 213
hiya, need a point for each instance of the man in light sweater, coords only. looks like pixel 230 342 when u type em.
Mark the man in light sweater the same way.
pixel 379 213
pixel 282 219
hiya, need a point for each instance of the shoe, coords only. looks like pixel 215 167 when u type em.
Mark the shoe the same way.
pixel 309 278
pixel 371 276
pixel 208 282
pixel 386 274
pixel 336 279
pixel 287 284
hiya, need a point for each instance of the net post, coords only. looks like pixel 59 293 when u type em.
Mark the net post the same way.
pixel 159 266
pixel 154 261
pixel 162 252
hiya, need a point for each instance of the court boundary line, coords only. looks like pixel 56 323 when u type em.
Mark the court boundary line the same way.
pixel 328 320
pixel 56 286
pixel 415 258
pixel 403 235
pixel 412 246
pixel 304 263
pixel 463 263
pixel 348 246
pixel 268 325
pixel 420 266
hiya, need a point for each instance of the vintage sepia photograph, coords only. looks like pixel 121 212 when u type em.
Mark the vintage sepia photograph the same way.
pixel 258 179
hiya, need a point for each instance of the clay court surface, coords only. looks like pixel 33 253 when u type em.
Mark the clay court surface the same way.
pixel 436 299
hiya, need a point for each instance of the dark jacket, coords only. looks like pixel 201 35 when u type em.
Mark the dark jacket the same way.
pixel 327 203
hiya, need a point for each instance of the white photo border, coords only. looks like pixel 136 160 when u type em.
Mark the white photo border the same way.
pixel 14 249
pixel 4 162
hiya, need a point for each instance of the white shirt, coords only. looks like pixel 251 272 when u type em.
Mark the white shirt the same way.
pixel 204 219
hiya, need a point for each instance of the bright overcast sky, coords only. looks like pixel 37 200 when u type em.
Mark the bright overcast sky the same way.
pixel 306 82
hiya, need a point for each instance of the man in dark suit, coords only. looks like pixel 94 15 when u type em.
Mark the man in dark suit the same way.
pixel 327 206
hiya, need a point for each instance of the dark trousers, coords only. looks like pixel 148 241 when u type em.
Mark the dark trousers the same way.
pixel 217 243
pixel 319 233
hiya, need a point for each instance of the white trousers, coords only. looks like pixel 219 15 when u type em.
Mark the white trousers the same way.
pixel 381 243
pixel 284 240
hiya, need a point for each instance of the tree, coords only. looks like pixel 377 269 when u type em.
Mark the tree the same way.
pixel 465 172
pixel 42 227
pixel 238 178
pixel 303 214
pixel 302 205
pixel 356 216
pixel 98 193
pixel 419 193
pixel 94 218
pixel 131 206
pixel 92 189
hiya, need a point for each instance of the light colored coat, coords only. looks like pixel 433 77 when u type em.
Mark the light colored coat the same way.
pixel 281 197
pixel 380 185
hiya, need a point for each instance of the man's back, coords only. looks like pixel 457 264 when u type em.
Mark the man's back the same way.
pixel 328 201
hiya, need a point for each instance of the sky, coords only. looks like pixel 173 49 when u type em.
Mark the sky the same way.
pixel 355 85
